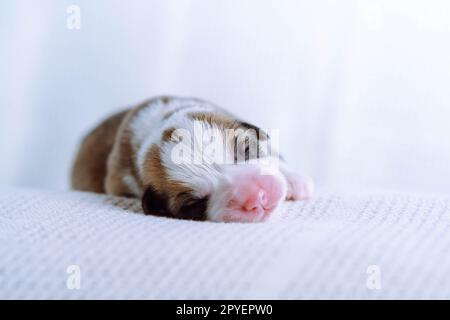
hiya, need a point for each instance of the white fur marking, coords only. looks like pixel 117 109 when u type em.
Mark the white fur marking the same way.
pixel 132 185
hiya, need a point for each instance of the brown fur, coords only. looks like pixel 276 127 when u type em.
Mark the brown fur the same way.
pixel 167 134
pixel 155 176
pixel 107 154
pixel 121 159
pixel 89 169
pixel 222 120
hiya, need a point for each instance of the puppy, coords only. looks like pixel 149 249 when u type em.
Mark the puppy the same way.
pixel 187 158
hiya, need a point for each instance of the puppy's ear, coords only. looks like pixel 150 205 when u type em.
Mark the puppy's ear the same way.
pixel 260 134
pixel 154 203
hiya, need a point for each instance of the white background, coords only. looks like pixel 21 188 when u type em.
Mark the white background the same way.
pixel 359 89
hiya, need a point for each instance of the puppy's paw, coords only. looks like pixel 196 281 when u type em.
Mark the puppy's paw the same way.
pixel 299 187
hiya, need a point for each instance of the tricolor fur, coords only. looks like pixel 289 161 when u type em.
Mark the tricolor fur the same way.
pixel 131 154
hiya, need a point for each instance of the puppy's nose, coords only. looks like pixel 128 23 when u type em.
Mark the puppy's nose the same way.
pixel 256 201
pixel 255 197
pixel 258 193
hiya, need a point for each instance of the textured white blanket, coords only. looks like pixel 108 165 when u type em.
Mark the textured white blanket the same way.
pixel 80 245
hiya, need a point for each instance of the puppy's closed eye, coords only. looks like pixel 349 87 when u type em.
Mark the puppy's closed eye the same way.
pixel 154 203
pixel 193 208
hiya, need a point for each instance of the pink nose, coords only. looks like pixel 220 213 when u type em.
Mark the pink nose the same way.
pixel 258 193
pixel 256 201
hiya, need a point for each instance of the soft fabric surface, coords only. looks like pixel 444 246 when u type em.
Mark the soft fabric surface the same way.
pixel 320 248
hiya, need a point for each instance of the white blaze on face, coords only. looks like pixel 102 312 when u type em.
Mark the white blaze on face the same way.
pixel 193 158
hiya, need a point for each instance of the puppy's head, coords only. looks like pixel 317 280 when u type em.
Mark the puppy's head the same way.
pixel 212 167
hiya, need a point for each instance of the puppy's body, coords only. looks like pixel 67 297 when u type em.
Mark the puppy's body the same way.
pixel 90 169
pixel 131 154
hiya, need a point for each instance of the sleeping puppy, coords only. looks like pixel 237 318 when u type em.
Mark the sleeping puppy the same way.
pixel 187 158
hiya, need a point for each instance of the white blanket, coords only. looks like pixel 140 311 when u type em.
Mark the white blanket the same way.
pixel 80 245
